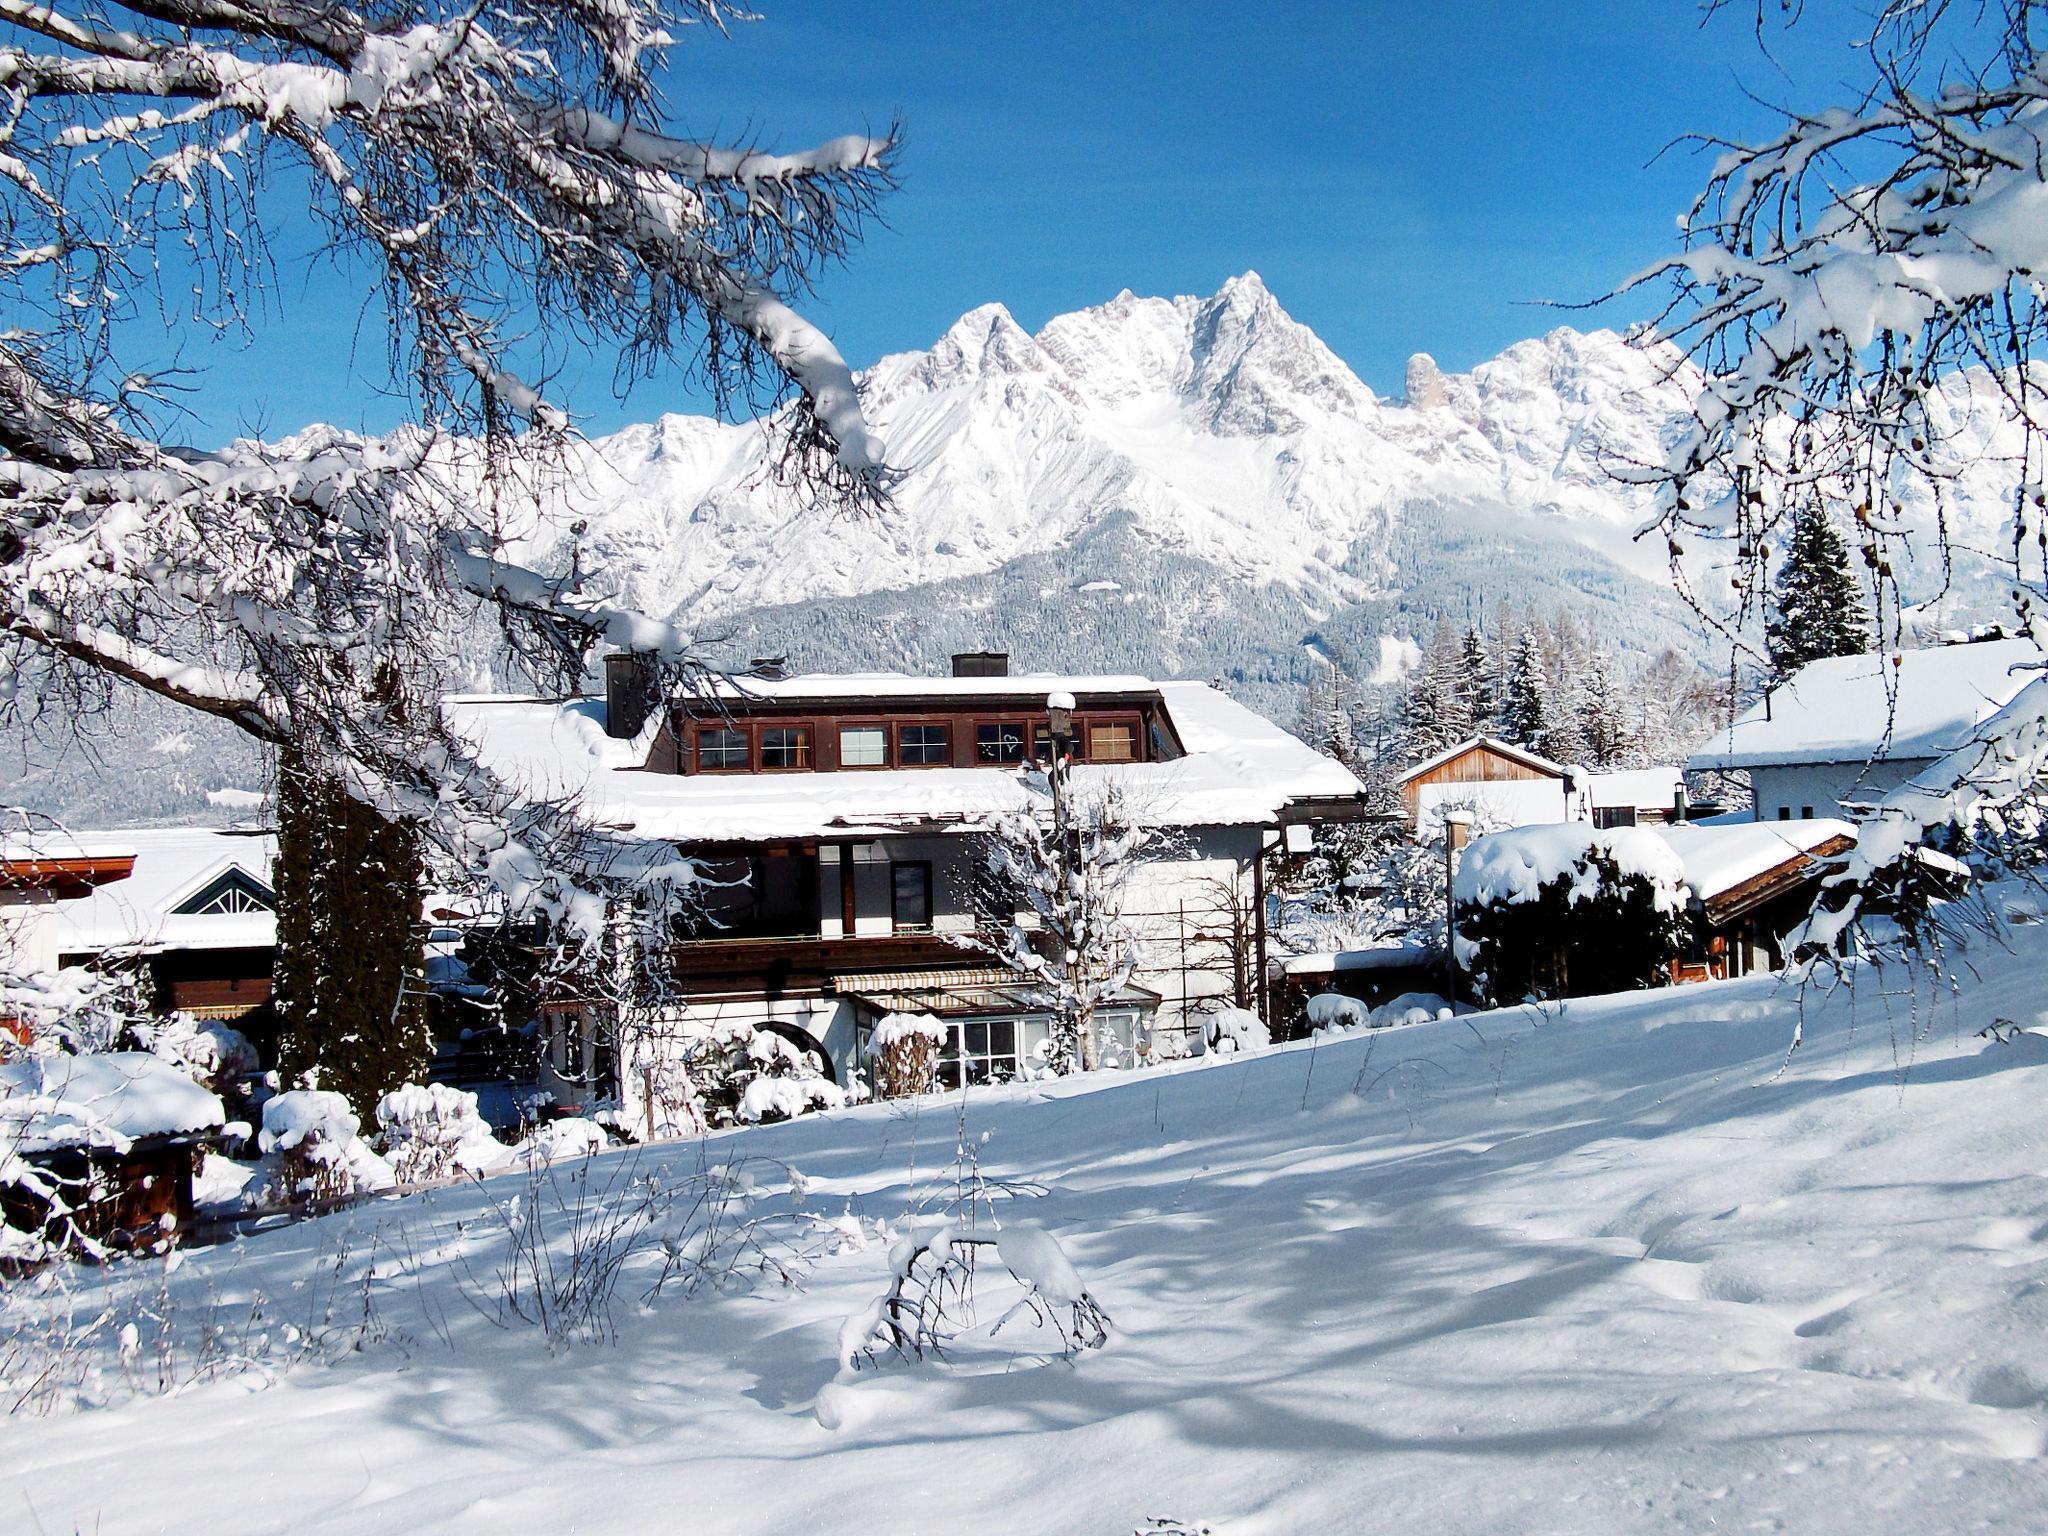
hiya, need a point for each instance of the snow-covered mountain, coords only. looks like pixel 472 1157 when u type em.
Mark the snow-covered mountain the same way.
pixel 1186 487
pixel 1217 431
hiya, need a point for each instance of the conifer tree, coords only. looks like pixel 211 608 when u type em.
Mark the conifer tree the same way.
pixel 351 958
pixel 1476 693
pixel 1525 711
pixel 1433 713
pixel 1816 609
pixel 1604 723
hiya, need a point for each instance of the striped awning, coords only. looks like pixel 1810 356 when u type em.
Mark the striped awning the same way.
pixel 924 981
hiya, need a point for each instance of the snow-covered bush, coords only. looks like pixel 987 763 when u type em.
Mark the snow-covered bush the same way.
pixel 564 1140
pixel 433 1132
pixel 931 1298
pixel 73 1009
pixel 1410 1008
pixel 313 1135
pixel 1566 910
pixel 784 1098
pixel 1238 1030
pixel 213 1054
pixel 1335 1010
pixel 905 1052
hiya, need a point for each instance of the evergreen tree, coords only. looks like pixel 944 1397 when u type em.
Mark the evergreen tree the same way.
pixel 1816 609
pixel 1476 695
pixel 1603 714
pixel 350 964
pixel 1525 710
pixel 1433 712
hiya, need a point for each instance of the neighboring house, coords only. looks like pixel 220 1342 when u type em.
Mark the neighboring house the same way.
pixel 1751 884
pixel 838 815
pixel 193 905
pixel 1843 732
pixel 1504 785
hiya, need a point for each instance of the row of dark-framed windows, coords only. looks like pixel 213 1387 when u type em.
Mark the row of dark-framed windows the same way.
pixel 783 748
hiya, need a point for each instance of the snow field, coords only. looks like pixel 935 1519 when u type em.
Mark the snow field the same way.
pixel 1618 1265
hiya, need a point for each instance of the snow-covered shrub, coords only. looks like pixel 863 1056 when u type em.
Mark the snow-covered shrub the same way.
pixel 1336 1010
pixel 930 1301
pixel 1238 1030
pixel 905 1051
pixel 433 1132
pixel 563 1140
pixel 213 1054
pixel 73 1009
pixel 313 1134
pixel 1566 910
pixel 1410 1008
pixel 784 1098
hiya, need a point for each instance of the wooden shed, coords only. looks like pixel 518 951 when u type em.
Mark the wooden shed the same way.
pixel 1480 760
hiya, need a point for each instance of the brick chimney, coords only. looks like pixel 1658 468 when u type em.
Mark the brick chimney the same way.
pixel 630 692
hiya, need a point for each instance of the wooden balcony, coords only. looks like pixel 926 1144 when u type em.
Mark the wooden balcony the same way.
pixel 802 964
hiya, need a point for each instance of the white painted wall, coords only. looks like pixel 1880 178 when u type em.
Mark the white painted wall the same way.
pixel 1825 786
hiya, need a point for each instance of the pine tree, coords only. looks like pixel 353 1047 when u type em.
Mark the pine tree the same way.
pixel 1816 609
pixel 1525 710
pixel 350 946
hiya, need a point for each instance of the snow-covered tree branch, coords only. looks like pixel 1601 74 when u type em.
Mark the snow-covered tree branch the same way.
pixel 508 176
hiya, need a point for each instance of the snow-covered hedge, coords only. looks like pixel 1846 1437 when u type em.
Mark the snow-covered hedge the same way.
pixel 784 1098
pixel 1568 910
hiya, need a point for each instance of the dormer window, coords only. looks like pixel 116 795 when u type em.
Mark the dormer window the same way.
pixel 722 750
pixel 227 895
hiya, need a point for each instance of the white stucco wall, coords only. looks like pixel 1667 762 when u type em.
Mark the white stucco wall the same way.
pixel 1825 786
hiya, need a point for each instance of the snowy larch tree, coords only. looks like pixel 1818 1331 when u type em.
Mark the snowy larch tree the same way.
pixel 1049 895
pixel 509 180
pixel 1433 712
pixel 1816 610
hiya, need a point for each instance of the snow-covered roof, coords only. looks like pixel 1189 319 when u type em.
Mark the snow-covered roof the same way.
pixel 1506 749
pixel 172 866
pixel 1494 803
pixel 1403 955
pixel 1239 768
pixel 1839 710
pixel 1643 788
pixel 105 1101
pixel 1719 857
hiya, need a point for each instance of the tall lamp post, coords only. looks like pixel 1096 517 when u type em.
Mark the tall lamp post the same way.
pixel 1059 720
pixel 1457 827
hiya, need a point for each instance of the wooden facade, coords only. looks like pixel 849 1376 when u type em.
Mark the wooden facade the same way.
pixel 1131 727
pixel 1482 761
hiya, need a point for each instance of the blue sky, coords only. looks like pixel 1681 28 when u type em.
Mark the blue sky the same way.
pixel 1407 177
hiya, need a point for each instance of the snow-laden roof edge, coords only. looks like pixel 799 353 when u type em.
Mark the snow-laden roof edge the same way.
pixel 1239 768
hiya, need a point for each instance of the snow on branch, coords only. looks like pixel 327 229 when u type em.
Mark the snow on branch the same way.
pixel 1857 290
pixel 501 167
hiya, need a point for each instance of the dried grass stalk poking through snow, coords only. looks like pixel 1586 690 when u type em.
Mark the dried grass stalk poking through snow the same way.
pixel 507 176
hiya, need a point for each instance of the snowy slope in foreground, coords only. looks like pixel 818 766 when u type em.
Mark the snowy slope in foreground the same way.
pixel 1616 1270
